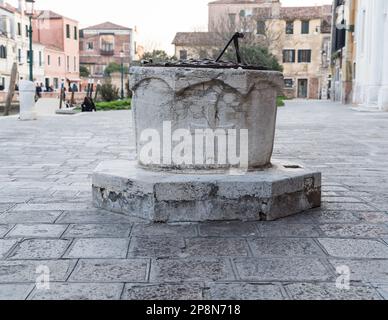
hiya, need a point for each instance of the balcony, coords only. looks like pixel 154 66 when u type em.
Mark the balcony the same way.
pixel 107 52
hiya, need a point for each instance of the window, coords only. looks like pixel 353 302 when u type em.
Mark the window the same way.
pixel 75 33
pixel 59 61
pixel 19 29
pixel 2 83
pixel 68 31
pixel 40 59
pixel 288 83
pixel 261 27
pixel 48 60
pixel 304 56
pixel 27 31
pixel 90 46
pixel 68 63
pixel 290 27
pixel 81 34
pixel 305 27
pixel 75 64
pixel 232 19
pixel 183 54
pixel 20 55
pixel 56 83
pixel 288 56
pixel 3 52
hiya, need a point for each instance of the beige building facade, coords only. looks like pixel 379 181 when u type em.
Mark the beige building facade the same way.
pixel 299 37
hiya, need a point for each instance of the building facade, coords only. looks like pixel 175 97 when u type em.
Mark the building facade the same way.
pixel 60 36
pixel 14 45
pixel 360 48
pixel 102 44
pixel 299 37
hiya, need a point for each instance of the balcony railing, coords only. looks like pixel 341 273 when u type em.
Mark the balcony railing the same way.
pixel 107 52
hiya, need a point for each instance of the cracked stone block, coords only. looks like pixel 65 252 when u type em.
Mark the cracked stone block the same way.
pixel 279 269
pixel 329 291
pixel 39 249
pixel 15 291
pixel 244 291
pixel 105 248
pixel 111 271
pixel 37 231
pixel 284 248
pixel 78 291
pixel 98 231
pixel 191 270
pixel 123 187
pixel 355 248
pixel 27 271
pixel 175 292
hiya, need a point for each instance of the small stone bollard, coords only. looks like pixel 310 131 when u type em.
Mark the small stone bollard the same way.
pixel 27 100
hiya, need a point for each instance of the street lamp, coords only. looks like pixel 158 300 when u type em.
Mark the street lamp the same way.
pixel 30 13
pixel 122 73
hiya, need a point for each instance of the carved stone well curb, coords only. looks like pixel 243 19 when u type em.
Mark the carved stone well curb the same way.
pixel 197 99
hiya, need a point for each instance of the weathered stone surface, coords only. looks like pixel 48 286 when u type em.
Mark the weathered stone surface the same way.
pixel 164 230
pixel 26 271
pixel 156 247
pixel 367 271
pixel 383 290
pixel 111 271
pixel 101 248
pixel 100 217
pixel 277 269
pixel 283 228
pixel 37 231
pixel 284 248
pixel 354 230
pixel 79 291
pixel 216 247
pixel 98 231
pixel 328 291
pixel 122 187
pixel 4 229
pixel 205 269
pixel 244 291
pixel 15 291
pixel 39 249
pixel 355 248
pixel 208 98
pixel 5 247
pixel 29 217
pixel 183 291
pixel 228 229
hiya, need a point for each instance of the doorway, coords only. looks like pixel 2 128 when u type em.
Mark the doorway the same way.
pixel 302 88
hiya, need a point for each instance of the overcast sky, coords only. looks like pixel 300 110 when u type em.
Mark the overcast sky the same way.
pixel 156 20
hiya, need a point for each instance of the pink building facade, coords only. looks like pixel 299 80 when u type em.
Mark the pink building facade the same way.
pixel 60 35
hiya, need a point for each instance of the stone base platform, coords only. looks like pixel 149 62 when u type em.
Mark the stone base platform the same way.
pixel 123 187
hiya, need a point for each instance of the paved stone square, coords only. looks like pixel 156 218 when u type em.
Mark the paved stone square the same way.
pixel 47 218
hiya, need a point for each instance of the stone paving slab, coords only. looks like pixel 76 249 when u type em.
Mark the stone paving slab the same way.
pixel 111 271
pixel 328 291
pixel 79 291
pixel 175 292
pixel 47 218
